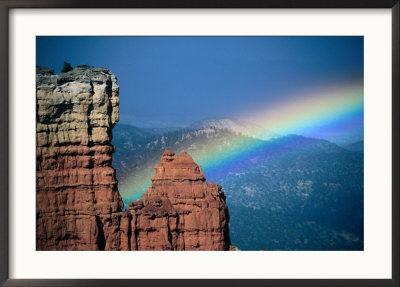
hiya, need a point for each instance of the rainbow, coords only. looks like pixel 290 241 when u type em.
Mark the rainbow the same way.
pixel 308 114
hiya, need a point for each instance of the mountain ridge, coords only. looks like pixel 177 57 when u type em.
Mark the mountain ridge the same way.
pixel 287 180
pixel 234 125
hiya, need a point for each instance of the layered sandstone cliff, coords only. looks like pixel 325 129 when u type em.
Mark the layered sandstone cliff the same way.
pixel 78 206
pixel 76 185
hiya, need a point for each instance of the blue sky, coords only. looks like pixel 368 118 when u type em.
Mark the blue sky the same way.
pixel 174 81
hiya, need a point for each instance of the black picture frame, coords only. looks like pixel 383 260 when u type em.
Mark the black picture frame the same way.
pixel 6 5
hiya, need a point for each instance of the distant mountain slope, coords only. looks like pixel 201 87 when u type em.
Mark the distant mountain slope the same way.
pixel 355 147
pixel 129 142
pixel 160 131
pixel 288 193
pixel 298 194
pixel 343 138
pixel 236 126
pixel 125 134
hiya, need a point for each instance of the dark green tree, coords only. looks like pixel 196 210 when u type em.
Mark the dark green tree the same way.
pixel 66 68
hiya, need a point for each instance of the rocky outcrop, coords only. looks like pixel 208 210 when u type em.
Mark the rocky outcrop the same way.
pixel 180 210
pixel 76 185
pixel 78 206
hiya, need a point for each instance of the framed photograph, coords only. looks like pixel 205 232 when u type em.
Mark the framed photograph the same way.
pixel 256 145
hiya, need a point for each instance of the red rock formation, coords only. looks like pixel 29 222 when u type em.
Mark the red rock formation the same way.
pixel 78 206
pixel 76 186
pixel 180 211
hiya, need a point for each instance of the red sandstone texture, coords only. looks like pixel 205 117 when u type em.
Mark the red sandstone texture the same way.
pixel 180 210
pixel 78 206
pixel 76 188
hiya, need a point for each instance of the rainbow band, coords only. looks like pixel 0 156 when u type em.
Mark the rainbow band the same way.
pixel 335 109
